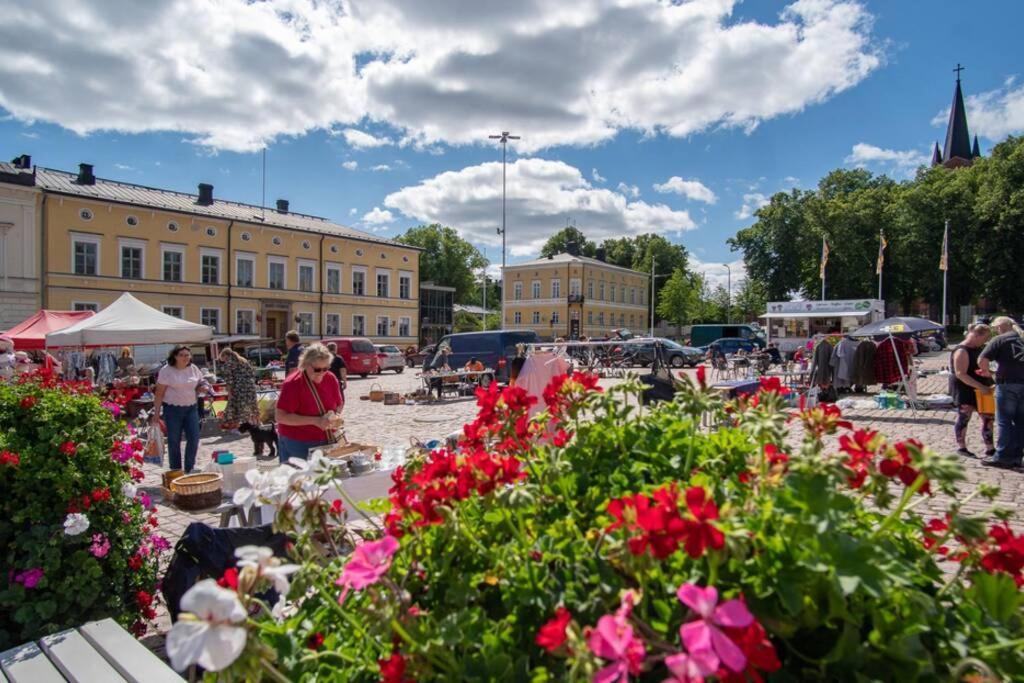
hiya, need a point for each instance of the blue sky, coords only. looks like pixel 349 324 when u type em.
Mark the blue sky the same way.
pixel 377 118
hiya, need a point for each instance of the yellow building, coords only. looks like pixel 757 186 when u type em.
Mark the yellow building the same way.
pixel 548 295
pixel 235 267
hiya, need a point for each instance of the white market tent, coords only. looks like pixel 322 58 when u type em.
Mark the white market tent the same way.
pixel 128 322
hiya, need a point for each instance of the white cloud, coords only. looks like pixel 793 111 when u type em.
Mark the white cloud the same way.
pixel 751 203
pixel 691 189
pixel 236 74
pixel 350 165
pixel 541 194
pixel 30 136
pixel 381 167
pixel 124 167
pixel 361 140
pixel 905 161
pixel 598 178
pixel 353 211
pixel 629 190
pixel 378 216
pixel 715 273
pixel 993 114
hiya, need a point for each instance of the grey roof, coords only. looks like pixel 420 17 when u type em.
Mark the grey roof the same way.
pixel 62 182
pixel 569 258
pixel 958 140
pixel 975 151
pixel 9 173
pixel 936 156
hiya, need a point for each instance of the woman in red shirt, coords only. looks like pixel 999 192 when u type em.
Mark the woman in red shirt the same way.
pixel 309 405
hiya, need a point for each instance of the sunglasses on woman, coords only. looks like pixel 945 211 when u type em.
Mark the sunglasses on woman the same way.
pixel 320 370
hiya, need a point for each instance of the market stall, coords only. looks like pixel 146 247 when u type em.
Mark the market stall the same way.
pixel 791 324
pixel 30 334
pixel 128 322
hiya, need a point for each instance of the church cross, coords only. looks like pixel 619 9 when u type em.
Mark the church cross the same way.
pixel 958 69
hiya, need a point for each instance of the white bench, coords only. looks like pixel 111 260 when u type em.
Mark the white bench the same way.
pixel 95 651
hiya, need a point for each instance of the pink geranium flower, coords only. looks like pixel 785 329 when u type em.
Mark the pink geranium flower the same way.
pixel 100 545
pixel 369 561
pixel 704 634
pixel 613 639
pixel 30 577
pixel 691 668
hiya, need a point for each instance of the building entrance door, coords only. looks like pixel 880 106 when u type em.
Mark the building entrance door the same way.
pixel 276 323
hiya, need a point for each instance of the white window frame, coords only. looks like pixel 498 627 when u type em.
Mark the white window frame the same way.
pixel 555 318
pixel 252 320
pixel 206 309
pixel 86 238
pixel 305 263
pixel 404 275
pixel 600 318
pixel 632 296
pixel 304 318
pixel 536 318
pixel 600 291
pixel 517 291
pixel 387 326
pixel 556 288
pixel 332 330
pixel 611 292
pixel 517 318
pixel 217 254
pixel 283 262
pixel 166 310
pixel 85 306
pixel 130 243
pixel 590 289
pixel 590 317
pixel 405 326
pixel 376 286
pixel 362 319
pixel 575 286
pixel 352 280
pixel 166 248
pixel 328 269
pixel 535 289
pixel 251 258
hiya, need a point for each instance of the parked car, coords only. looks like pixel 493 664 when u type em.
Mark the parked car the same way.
pixel 704 335
pixel 261 355
pixel 674 354
pixel 359 354
pixel 730 345
pixel 420 356
pixel 494 348
pixel 389 357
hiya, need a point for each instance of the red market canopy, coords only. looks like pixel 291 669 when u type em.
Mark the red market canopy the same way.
pixel 31 333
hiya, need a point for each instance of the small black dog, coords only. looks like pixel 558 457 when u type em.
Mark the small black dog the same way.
pixel 261 435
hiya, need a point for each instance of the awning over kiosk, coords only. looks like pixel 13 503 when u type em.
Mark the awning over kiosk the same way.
pixel 818 314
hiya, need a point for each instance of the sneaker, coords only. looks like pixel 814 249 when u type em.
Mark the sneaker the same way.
pixel 989 452
pixel 963 452
pixel 1001 464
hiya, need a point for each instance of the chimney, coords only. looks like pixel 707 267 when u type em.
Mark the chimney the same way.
pixel 282 206
pixel 23 162
pixel 551 257
pixel 205 194
pixel 599 254
pixel 572 248
pixel 85 176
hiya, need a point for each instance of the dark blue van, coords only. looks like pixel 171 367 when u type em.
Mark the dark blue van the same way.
pixel 494 348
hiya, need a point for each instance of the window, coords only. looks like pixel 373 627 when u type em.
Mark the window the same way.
pixel 276 241
pixel 305 245
pixel 172 226
pixel 517 291
pixel 210 317
pixel 245 267
pixel 632 295
pixel 209 267
pixel 383 284
pixel 600 318
pixel 575 286
pixel 358 325
pixel 332 324
pixel 517 318
pixel 382 325
pixel 590 317
pixel 358 281
pixel 622 294
pixel 276 272
pixel 246 236
pixel 244 322
pixel 85 215
pixel 611 293
pixel 305 323
pixel 555 318
pixel 334 248
pixel 405 327
pixel 632 320
pixel 85 306
pixel 556 289
pixel 600 291
pixel 536 317
pixel 307 276
pixel 173 257
pixel 535 289
pixel 174 311
pixel 132 259
pixel 359 252
pixel 132 221
pixel 590 289
pixel 85 250
pixel 334 280
pixel 211 232
pixel 622 319
pixel 405 285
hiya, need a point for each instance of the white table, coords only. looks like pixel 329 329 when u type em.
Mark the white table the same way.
pixel 234 474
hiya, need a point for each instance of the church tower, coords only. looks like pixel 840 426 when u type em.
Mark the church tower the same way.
pixel 957 152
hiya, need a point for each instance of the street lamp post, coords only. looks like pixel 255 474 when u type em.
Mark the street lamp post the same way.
pixel 654 278
pixel 504 137
pixel 728 310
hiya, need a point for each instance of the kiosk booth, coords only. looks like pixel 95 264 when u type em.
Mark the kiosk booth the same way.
pixel 790 324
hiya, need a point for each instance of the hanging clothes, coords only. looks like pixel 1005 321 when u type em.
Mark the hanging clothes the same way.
pixel 821 367
pixel 891 355
pixel 864 364
pixel 842 363
pixel 75 363
pixel 537 373
pixel 105 365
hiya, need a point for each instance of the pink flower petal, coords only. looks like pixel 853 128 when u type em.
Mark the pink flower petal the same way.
pixel 610 639
pixel 730 654
pixel 700 600
pixel 613 673
pixel 696 636
pixel 734 614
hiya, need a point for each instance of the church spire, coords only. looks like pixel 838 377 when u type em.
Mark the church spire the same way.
pixel 958 139
pixel 975 151
pixel 936 156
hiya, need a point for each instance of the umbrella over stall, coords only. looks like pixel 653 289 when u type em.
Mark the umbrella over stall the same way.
pixel 897 325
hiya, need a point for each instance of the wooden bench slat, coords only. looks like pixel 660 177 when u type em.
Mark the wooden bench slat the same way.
pixel 77 659
pixel 133 660
pixel 27 664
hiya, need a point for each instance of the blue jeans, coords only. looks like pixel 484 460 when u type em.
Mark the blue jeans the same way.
pixel 179 419
pixel 1009 423
pixel 294 448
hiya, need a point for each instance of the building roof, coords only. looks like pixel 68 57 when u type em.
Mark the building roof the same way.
pixel 569 258
pixel 473 310
pixel 936 156
pixel 976 150
pixel 958 139
pixel 16 175
pixel 62 182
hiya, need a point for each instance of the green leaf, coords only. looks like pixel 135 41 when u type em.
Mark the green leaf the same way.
pixel 997 594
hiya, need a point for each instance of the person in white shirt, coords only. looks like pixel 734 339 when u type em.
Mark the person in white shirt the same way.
pixel 177 391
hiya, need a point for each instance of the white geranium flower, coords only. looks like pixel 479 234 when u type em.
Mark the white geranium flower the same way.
pixel 128 490
pixel 262 559
pixel 206 633
pixel 75 523
pixel 247 496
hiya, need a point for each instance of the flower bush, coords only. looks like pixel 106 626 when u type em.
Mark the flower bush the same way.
pixel 602 541
pixel 77 538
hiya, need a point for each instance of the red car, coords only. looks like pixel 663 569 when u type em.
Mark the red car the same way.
pixel 359 355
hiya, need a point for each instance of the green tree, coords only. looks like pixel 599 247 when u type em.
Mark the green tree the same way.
pixel 620 251
pixel 466 322
pixel 777 247
pixel 447 259
pixel 751 300
pixel 680 301
pixel 560 242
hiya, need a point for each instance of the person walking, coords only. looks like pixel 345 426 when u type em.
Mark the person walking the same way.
pixel 338 368
pixel 178 386
pixel 240 378
pixel 293 350
pixel 1007 350
pixel 965 380
pixel 309 405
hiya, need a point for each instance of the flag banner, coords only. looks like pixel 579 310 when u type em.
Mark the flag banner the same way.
pixel 824 259
pixel 882 244
pixel 944 259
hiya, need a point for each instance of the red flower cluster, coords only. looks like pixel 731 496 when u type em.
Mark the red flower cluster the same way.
pixel 1008 555
pixel 823 419
pixel 135 562
pixel 759 651
pixel 501 413
pixel 897 464
pixel 860 451
pixel 9 458
pixel 933 531
pixel 28 402
pixel 702 378
pixel 229 579
pixel 551 635
pixel 68 448
pixel 662 526
pixel 392 669
pixel 100 495
pixel 565 391
pixel 315 641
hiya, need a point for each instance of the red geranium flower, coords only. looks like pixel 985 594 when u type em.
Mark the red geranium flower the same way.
pixel 315 641
pixel 392 669
pixel 9 458
pixel 700 533
pixel 701 376
pixel 1008 555
pixel 229 579
pixel 68 448
pixel 28 401
pixel 551 635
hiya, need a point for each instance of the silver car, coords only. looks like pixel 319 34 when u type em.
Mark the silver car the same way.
pixel 389 357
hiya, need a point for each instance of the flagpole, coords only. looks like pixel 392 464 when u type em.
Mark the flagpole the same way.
pixel 881 261
pixel 945 271
pixel 823 264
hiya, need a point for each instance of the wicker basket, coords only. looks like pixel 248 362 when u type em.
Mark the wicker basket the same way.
pixel 392 398
pixel 376 392
pixel 171 475
pixel 197 491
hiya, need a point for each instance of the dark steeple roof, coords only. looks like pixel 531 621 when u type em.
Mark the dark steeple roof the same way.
pixel 975 151
pixel 958 140
pixel 936 156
